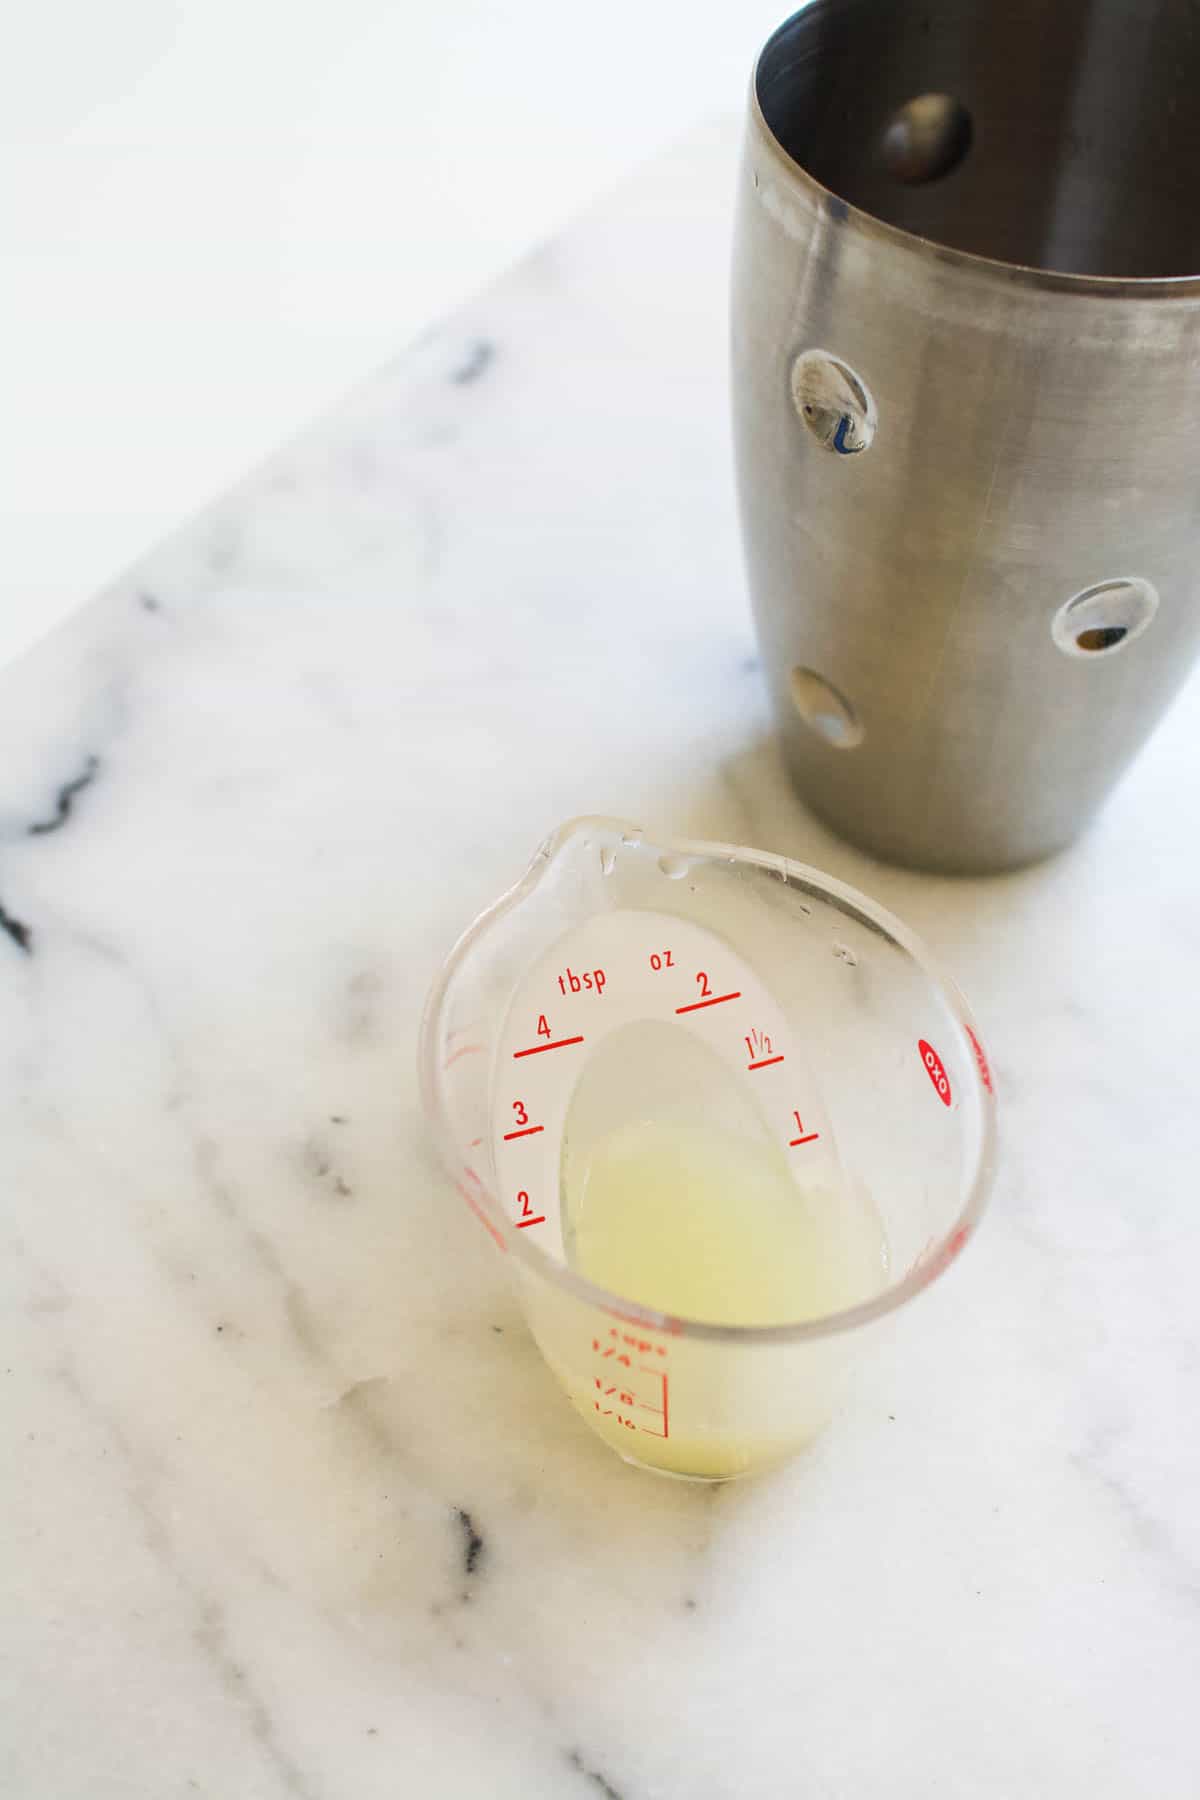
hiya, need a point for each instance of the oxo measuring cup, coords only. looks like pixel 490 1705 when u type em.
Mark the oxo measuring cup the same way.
pixel 622 978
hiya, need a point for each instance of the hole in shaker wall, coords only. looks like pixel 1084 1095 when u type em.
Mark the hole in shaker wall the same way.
pixel 1105 617
pixel 825 710
pixel 833 402
pixel 926 139
pixel 1101 637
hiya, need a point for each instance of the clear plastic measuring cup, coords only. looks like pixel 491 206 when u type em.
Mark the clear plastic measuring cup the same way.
pixel 622 978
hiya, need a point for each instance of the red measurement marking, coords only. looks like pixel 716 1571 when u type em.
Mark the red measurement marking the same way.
pixel 536 1049
pixel 609 1387
pixel 528 1132
pixel 475 1143
pixel 717 1000
pixel 810 1139
pixel 933 1068
pixel 641 1344
pixel 465 1050
pixel 985 1073
pixel 764 1064
pixel 475 1207
pixel 672 1327
pixel 522 1223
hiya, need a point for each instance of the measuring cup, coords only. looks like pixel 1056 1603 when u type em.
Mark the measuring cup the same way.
pixel 580 994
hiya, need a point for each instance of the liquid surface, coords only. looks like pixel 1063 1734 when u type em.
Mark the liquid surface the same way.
pixel 707 1224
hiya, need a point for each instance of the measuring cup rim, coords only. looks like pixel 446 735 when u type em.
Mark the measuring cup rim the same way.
pixel 483 1202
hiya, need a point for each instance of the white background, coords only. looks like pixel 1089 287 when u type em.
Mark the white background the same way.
pixel 216 214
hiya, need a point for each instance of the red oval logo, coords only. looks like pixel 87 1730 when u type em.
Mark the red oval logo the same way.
pixel 935 1071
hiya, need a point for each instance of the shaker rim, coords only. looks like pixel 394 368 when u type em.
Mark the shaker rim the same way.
pixel 990 269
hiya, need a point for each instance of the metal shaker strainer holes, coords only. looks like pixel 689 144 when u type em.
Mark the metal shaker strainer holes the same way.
pixel 926 139
pixel 833 402
pixel 1105 617
pixel 824 710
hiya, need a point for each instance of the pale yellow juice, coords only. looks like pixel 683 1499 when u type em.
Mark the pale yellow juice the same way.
pixel 707 1223
pixel 696 1222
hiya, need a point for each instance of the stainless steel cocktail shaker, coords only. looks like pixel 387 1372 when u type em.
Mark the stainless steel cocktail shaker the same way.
pixel 966 382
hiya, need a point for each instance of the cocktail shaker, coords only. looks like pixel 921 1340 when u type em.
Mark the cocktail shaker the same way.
pixel 966 387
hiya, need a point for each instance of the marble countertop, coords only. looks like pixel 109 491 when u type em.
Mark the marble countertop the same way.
pixel 291 1506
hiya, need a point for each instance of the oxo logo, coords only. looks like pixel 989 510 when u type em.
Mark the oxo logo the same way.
pixel 935 1071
